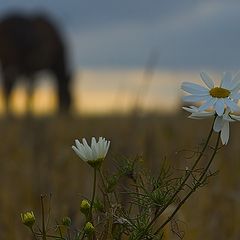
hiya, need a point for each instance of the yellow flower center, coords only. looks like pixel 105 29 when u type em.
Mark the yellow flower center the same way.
pixel 219 92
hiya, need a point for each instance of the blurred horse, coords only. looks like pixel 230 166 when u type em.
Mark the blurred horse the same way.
pixel 30 44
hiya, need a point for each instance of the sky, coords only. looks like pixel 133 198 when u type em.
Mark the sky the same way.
pixel 111 42
pixel 186 35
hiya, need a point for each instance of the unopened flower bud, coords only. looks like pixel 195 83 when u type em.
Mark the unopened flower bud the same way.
pixel 66 221
pixel 85 207
pixel 89 228
pixel 28 219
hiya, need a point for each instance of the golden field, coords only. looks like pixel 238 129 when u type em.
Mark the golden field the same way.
pixel 36 158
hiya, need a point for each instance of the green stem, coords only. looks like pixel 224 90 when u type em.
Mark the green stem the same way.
pixel 60 231
pixel 43 220
pixel 181 185
pixel 68 233
pixel 83 236
pixel 105 187
pixel 34 235
pixel 197 184
pixel 53 236
pixel 93 195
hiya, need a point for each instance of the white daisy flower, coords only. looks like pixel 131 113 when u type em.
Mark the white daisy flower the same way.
pixel 94 154
pixel 226 95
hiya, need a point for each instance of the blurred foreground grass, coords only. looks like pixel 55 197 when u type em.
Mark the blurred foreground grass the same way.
pixel 36 158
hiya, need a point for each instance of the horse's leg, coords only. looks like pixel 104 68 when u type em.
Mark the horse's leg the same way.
pixel 30 93
pixel 8 83
pixel 63 85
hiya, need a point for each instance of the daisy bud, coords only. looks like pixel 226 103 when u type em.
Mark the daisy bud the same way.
pixel 84 207
pixel 28 219
pixel 89 228
pixel 66 221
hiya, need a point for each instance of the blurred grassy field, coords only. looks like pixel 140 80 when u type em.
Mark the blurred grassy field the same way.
pixel 36 158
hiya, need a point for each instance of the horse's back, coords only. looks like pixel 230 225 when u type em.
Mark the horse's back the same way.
pixel 29 43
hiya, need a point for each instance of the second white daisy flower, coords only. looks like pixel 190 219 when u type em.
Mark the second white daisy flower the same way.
pixel 93 154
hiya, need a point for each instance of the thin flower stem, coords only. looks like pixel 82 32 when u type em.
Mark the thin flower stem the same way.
pixel 34 235
pixel 93 194
pixel 105 187
pixel 43 220
pixel 60 231
pixel 53 236
pixel 83 236
pixel 181 185
pixel 116 197
pixel 193 189
pixel 68 233
pixel 104 184
pixel 90 217
pixel 49 211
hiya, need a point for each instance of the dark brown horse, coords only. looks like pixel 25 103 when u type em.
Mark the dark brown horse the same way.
pixel 30 44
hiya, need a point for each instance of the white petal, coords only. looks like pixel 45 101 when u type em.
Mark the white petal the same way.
pixel 93 142
pixel 85 142
pixel 227 111
pixel 226 80
pixel 235 81
pixel 78 144
pixel 232 105
pixel 210 102
pixel 236 87
pixel 95 152
pixel 80 147
pixel 75 150
pixel 79 153
pixel 94 148
pixel 88 153
pixel 108 145
pixel 197 118
pixel 235 117
pixel 207 80
pixel 235 95
pixel 193 98
pixel 225 133
pixel 105 149
pixel 219 106
pixel 218 124
pixel 191 109
pixel 236 77
pixel 99 143
pixel 201 115
pixel 226 117
pixel 194 88
pixel 101 147
pixel 88 150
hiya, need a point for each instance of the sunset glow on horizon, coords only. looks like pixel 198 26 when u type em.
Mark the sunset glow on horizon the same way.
pixel 105 92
